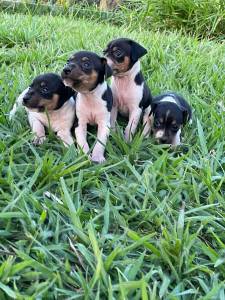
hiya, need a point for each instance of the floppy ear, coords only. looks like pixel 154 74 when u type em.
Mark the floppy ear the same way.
pixel 186 115
pixel 153 108
pixel 137 51
pixel 108 70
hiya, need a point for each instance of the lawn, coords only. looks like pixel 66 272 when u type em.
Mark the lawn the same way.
pixel 149 223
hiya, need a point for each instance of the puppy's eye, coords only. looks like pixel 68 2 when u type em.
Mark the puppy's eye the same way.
pixel 175 127
pixel 157 123
pixel 117 53
pixel 86 65
pixel 44 89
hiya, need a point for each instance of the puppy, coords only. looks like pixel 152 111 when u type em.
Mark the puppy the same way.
pixel 131 94
pixel 170 112
pixel 86 73
pixel 49 103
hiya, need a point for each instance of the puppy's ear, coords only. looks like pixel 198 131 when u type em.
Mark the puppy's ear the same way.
pixel 65 92
pixel 186 116
pixel 153 108
pixel 137 51
pixel 108 70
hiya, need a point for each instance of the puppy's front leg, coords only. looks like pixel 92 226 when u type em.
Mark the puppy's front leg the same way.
pixel 102 136
pixel 113 116
pixel 66 137
pixel 147 122
pixel 176 140
pixel 81 136
pixel 134 118
pixel 38 129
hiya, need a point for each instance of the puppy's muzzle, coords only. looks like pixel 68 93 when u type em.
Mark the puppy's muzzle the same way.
pixel 67 70
pixel 27 98
pixel 163 140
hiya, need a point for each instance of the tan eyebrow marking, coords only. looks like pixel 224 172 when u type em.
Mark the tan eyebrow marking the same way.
pixel 84 58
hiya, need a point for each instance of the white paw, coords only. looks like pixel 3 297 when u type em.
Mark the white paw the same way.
pixel 98 157
pixel 39 140
pixel 127 136
pixel 11 115
pixel 67 142
pixel 146 135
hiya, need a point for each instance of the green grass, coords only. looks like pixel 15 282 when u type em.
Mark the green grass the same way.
pixel 200 18
pixel 147 224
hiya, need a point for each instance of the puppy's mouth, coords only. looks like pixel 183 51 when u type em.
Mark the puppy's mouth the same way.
pixel 29 105
pixel 117 72
pixel 81 86
pixel 71 82
pixel 35 108
pixel 164 141
pixel 161 141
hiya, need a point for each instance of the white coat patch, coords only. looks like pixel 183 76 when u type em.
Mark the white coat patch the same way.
pixel 169 99
pixel 159 134
pixel 92 109
pixel 127 96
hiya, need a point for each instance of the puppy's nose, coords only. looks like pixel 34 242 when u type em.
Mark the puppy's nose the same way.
pixel 67 70
pixel 163 140
pixel 26 98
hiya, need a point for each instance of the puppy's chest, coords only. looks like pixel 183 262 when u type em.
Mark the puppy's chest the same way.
pixel 59 119
pixel 91 108
pixel 127 94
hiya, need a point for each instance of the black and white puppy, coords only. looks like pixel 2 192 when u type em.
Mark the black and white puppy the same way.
pixel 170 112
pixel 49 103
pixel 86 73
pixel 131 94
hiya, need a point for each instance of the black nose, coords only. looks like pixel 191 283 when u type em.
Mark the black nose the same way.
pixel 163 140
pixel 67 70
pixel 26 98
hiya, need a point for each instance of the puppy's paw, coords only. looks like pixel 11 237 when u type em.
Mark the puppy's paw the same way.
pixel 147 135
pixel 11 115
pixel 39 140
pixel 127 136
pixel 67 142
pixel 98 158
pixel 85 148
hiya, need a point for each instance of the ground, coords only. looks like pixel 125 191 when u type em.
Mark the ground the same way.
pixel 149 223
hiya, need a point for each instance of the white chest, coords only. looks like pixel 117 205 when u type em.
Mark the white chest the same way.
pixel 58 119
pixel 126 93
pixel 91 109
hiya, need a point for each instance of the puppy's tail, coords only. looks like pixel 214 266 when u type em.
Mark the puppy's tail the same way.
pixel 17 104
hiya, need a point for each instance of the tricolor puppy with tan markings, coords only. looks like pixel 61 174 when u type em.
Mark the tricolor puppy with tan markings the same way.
pixel 86 72
pixel 49 103
pixel 169 113
pixel 131 94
